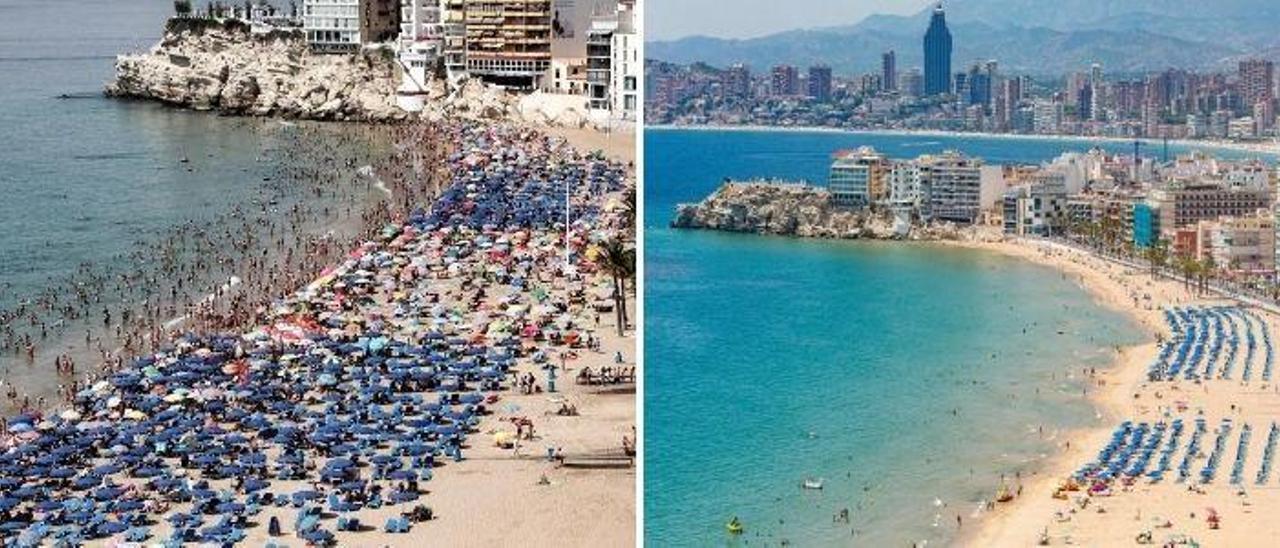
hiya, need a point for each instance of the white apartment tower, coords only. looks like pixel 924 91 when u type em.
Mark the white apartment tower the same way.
pixel 624 85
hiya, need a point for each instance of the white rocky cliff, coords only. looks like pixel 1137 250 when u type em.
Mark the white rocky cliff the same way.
pixel 206 65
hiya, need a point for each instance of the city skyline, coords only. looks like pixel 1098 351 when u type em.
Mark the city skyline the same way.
pixel 1028 37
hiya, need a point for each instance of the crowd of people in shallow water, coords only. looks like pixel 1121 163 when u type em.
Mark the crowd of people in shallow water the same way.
pixel 216 273
pixel 341 396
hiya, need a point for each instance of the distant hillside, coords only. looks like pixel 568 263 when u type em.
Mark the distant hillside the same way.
pixel 1030 36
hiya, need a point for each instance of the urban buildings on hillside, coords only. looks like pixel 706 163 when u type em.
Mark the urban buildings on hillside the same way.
pixel 1240 104
pixel 584 48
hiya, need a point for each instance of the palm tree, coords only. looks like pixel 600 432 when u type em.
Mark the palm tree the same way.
pixel 1208 270
pixel 1159 257
pixel 619 260
pixel 1187 267
pixel 1110 227
pixel 629 201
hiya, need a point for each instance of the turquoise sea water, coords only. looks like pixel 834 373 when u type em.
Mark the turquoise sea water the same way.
pixel 900 374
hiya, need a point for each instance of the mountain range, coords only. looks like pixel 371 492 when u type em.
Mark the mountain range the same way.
pixel 1038 37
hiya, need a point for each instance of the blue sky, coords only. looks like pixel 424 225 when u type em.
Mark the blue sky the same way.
pixel 671 19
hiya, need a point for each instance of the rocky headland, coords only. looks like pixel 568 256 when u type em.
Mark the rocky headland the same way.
pixel 222 66
pixel 800 211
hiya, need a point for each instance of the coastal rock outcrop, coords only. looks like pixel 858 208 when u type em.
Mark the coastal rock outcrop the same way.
pixel 798 210
pixel 222 66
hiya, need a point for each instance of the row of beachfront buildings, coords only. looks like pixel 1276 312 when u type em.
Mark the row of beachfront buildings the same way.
pixel 1194 205
pixel 581 48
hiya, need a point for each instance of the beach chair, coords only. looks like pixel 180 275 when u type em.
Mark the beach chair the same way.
pixel 137 534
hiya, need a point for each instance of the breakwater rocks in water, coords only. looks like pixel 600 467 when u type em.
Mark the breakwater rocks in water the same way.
pixel 222 66
pixel 801 211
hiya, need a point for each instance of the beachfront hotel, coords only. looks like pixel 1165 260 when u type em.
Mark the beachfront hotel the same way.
pixel 955 187
pixel 944 187
pixel 1186 203
pixel 1037 207
pixel 507 42
pixel 858 177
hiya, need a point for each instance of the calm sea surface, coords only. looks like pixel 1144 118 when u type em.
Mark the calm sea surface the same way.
pixel 907 377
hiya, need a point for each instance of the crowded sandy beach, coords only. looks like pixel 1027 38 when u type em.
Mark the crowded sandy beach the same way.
pixel 1185 435
pixel 462 371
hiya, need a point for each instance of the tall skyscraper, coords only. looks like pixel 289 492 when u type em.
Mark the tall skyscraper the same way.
pixel 889 70
pixel 820 83
pixel 785 81
pixel 937 55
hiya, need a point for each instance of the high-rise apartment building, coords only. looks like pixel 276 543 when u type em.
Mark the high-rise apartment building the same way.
pixel 1257 81
pixel 889 70
pixel 737 81
pixel 625 85
pixel 1096 92
pixel 600 61
pixel 507 42
pixel 955 186
pixel 785 81
pixel 820 83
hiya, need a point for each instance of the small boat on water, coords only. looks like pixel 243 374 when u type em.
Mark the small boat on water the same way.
pixel 734 526
pixel 810 483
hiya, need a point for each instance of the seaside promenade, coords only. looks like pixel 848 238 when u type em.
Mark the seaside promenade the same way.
pixel 430 384
pixel 1185 437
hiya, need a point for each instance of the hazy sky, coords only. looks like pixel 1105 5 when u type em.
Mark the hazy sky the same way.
pixel 670 19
